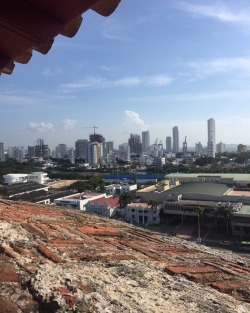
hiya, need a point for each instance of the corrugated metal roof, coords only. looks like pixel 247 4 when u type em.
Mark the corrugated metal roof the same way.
pixel 27 25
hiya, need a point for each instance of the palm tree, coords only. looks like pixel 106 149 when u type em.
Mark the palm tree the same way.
pixel 200 212
pixel 227 213
pixel 124 200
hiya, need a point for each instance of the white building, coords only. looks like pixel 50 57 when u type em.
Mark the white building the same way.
pixel 10 179
pixel 78 200
pixel 142 213
pixel 220 147
pixel 104 206
pixel 211 144
pixel 118 189
pixel 17 153
pixel 36 177
pixel 61 150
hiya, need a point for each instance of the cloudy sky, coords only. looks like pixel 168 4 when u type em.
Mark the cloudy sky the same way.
pixel 151 65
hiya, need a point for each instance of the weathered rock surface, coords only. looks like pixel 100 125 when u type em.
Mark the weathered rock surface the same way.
pixel 54 260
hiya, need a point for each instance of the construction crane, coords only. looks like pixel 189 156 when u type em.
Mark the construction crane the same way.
pixel 95 127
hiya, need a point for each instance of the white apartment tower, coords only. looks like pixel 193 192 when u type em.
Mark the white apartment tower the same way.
pixel 145 141
pixel 175 139
pixel 211 144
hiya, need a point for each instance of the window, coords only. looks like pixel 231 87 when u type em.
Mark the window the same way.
pixel 133 210
pixel 133 217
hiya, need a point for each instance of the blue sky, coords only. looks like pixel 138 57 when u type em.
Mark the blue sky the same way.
pixel 151 65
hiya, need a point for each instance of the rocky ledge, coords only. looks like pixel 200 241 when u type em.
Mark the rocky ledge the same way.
pixel 57 260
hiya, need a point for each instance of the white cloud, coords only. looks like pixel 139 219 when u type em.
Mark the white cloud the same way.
pixel 101 83
pixel 134 119
pixel 41 127
pixel 69 124
pixel 217 12
pixel 111 29
pixel 159 81
pixel 221 65
pixel 51 71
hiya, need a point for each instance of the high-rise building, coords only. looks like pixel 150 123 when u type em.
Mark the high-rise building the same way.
pixel 135 144
pixel 211 144
pixel 184 148
pixel 109 146
pixel 145 141
pixel 61 150
pixel 2 157
pixel 82 147
pixel 198 148
pixel 17 153
pixel 95 154
pixel 175 139
pixel 41 150
pixel 220 147
pixel 168 144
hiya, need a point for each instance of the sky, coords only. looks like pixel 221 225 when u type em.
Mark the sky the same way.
pixel 151 65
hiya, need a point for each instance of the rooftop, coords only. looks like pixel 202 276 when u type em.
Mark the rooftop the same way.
pixel 60 260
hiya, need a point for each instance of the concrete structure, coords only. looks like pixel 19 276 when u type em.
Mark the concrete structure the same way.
pixel 184 147
pixel 109 147
pixel 159 162
pixel 145 141
pixel 36 177
pixel 241 148
pixel 220 147
pixel 135 144
pixel 142 213
pixel 10 179
pixel 78 200
pixel 175 139
pixel 81 149
pixel 17 153
pixel 104 206
pixel 145 159
pixel 168 144
pixel 124 151
pixel 2 157
pixel 61 150
pixel 42 150
pixel 198 149
pixel 118 189
pixel 233 179
pixel 211 142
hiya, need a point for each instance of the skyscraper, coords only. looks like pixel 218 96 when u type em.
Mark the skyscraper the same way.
pixel 184 147
pixel 145 141
pixel 2 158
pixel 168 144
pixel 135 144
pixel 175 139
pixel 81 146
pixel 211 144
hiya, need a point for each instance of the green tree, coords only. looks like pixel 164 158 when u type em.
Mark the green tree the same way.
pixel 153 204
pixel 124 200
pixel 226 212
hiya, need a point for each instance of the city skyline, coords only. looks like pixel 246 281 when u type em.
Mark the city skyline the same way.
pixel 149 67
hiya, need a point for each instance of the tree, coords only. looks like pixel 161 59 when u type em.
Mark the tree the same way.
pixel 200 212
pixel 153 204
pixel 226 212
pixel 124 200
